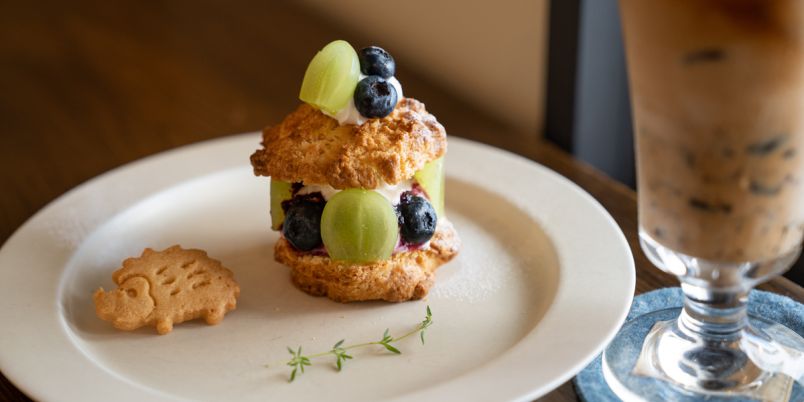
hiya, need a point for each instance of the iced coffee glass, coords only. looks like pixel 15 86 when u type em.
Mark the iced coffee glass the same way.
pixel 717 91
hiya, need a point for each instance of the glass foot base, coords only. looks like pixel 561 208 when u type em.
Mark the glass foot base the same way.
pixel 763 366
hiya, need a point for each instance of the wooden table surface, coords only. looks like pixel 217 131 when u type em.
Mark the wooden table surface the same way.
pixel 88 87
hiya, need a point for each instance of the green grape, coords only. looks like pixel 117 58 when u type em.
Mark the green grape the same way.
pixel 280 191
pixel 431 178
pixel 331 77
pixel 359 226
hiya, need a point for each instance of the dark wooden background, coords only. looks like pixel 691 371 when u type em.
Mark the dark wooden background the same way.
pixel 86 87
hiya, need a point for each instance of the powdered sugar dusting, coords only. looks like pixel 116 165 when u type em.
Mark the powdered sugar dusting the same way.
pixel 69 229
pixel 76 220
pixel 482 268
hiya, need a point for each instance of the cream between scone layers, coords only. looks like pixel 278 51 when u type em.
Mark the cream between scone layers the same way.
pixel 391 192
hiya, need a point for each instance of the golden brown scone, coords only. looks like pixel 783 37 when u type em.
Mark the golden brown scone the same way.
pixel 405 276
pixel 162 288
pixel 311 147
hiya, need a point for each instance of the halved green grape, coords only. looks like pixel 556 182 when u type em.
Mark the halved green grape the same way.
pixel 359 226
pixel 431 178
pixel 280 191
pixel 330 80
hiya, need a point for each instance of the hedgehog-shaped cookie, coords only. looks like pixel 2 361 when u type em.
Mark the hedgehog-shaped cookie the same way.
pixel 162 288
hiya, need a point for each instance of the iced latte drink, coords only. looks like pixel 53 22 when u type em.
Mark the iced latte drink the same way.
pixel 717 92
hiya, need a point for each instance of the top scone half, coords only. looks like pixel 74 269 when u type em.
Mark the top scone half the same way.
pixel 311 147
pixel 357 190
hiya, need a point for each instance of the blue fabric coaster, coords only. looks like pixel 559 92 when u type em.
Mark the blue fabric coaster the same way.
pixel 590 384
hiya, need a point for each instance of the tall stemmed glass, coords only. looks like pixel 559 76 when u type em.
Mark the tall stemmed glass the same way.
pixel 717 91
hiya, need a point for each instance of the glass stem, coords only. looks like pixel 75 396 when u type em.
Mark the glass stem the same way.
pixel 713 314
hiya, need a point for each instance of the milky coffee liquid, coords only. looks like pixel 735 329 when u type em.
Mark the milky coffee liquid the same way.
pixel 717 91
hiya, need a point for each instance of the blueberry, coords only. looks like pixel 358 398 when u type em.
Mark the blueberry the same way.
pixel 302 226
pixel 376 61
pixel 417 218
pixel 375 97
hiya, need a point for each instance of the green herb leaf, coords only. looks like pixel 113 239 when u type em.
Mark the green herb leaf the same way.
pixel 391 348
pixel 298 360
pixel 428 320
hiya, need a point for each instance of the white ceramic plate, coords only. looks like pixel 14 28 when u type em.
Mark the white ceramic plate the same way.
pixel 542 283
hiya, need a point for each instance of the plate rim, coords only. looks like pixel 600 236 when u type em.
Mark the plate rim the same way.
pixel 31 384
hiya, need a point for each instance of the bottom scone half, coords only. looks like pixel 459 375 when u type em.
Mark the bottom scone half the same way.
pixel 407 275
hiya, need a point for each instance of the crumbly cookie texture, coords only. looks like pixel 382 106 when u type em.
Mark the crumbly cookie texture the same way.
pixel 405 276
pixel 162 288
pixel 310 147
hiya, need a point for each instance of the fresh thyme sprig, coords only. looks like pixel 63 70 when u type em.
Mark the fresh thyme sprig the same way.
pixel 298 360
pixel 340 354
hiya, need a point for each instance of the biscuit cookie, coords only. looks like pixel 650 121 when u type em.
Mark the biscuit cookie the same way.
pixel 310 147
pixel 405 276
pixel 162 288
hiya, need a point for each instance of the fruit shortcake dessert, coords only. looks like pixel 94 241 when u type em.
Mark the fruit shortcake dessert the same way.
pixel 357 182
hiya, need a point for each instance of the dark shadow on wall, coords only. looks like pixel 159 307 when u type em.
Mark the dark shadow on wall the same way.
pixel 588 111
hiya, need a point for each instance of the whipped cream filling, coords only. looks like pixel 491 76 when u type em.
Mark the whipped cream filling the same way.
pixel 350 114
pixel 392 192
